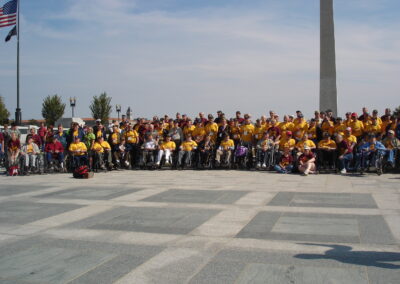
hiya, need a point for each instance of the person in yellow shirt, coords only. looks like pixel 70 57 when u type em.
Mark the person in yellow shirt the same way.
pixel 199 131
pixel 186 151
pixel 327 125
pixel 285 126
pixel 300 126
pixel 357 126
pixel 259 130
pixel 312 130
pixel 224 150
pixel 235 130
pixel 339 127
pixel 102 151
pixel 189 128
pixel 327 152
pixel 348 120
pixel 246 132
pixel 211 128
pixel 374 127
pixel 305 142
pixel 78 151
pixel 167 147
pixel 386 120
pixel 287 141
pixel 132 144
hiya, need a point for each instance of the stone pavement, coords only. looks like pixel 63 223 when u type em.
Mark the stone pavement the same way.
pixel 200 227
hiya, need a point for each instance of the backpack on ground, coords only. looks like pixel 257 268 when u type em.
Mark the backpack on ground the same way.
pixel 82 172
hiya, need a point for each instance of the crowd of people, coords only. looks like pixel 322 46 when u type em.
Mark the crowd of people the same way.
pixel 324 143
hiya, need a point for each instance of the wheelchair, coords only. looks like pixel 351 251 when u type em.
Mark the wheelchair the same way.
pixel 148 158
pixel 242 157
pixel 371 161
pixel 226 161
pixel 37 168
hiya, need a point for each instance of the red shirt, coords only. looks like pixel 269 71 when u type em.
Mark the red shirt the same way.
pixel 52 147
pixel 286 160
pixel 305 158
pixel 14 145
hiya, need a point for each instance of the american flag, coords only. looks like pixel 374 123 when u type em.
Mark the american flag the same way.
pixel 8 14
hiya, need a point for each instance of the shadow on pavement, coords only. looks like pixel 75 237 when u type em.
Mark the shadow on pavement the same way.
pixel 345 254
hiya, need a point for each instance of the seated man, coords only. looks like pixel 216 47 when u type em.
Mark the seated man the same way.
pixel 205 149
pixel 287 141
pixel 285 164
pixel 166 149
pixel 186 150
pixel 54 151
pixel 78 151
pixel 265 148
pixel 225 149
pixel 326 151
pixel 392 145
pixel 13 150
pixel 344 152
pixel 307 162
pixel 370 152
pixel 102 151
pixel 29 153
pixel 149 148
pixel 304 142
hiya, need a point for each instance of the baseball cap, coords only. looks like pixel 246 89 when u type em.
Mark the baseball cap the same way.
pixel 391 131
pixel 354 114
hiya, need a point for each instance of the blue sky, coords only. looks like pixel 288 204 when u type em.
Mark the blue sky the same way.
pixel 164 56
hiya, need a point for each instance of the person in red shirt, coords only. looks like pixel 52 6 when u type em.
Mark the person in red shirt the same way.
pixel 14 148
pixel 36 137
pixel 54 151
pixel 307 162
pixel 285 165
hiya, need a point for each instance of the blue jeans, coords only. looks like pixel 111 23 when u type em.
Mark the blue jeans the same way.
pixel 50 156
pixel 344 163
pixel 286 170
pixel 390 154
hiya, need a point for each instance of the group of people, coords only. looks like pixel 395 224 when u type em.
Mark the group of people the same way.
pixel 290 144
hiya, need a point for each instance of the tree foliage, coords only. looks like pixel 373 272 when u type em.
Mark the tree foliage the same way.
pixel 52 109
pixel 101 107
pixel 4 113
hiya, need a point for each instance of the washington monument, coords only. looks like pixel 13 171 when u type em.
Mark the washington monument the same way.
pixel 328 90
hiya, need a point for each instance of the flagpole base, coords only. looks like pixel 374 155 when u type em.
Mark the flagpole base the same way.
pixel 18 116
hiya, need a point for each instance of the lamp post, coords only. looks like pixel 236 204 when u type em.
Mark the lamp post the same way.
pixel 72 103
pixel 118 109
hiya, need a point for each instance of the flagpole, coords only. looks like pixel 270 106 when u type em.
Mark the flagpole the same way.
pixel 18 110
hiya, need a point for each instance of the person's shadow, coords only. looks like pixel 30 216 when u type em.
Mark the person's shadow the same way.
pixel 345 254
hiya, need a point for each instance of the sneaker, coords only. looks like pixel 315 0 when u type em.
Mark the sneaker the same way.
pixel 127 163
pixel 258 165
pixel 343 171
pixel 264 166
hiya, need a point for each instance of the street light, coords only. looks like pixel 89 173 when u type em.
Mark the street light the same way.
pixel 72 103
pixel 118 109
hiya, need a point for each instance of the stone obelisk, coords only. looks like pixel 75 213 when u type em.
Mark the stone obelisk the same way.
pixel 328 90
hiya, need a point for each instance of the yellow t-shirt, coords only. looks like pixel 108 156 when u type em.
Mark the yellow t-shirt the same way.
pixel 327 144
pixel 168 145
pixel 350 139
pixel 246 132
pixel 312 132
pixel 188 145
pixel 29 148
pixel 285 126
pixel 339 129
pixel 100 147
pixel 131 137
pixel 301 144
pixel 189 130
pixel 227 144
pixel 259 132
pixel 99 134
pixel 78 147
pixel 373 129
pixel 235 130
pixel 327 126
pixel 212 129
pixel 301 126
pixel 115 138
pixel 284 142
pixel 199 131
pixel 357 127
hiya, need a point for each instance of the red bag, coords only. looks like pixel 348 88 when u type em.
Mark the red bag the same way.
pixel 13 171
pixel 82 172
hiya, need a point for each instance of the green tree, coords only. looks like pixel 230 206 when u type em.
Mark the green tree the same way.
pixel 397 111
pixel 101 107
pixel 52 109
pixel 4 113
